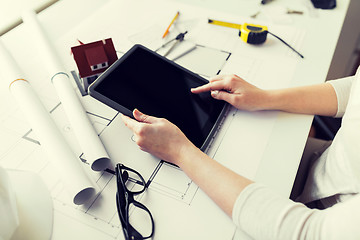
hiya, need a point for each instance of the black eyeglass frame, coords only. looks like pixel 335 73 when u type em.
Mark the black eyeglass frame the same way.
pixel 128 198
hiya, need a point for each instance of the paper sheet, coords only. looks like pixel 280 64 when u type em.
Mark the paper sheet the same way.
pixel 79 185
pixel 90 143
pixel 77 182
pixel 51 139
pixel 254 127
pixel 204 60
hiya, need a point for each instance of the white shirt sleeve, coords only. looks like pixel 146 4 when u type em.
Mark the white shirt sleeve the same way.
pixel 263 214
pixel 342 89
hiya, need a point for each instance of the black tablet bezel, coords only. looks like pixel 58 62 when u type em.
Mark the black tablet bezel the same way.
pixel 104 99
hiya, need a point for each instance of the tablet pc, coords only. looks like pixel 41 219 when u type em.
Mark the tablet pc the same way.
pixel 158 87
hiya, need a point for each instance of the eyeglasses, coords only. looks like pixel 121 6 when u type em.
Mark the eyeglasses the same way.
pixel 129 184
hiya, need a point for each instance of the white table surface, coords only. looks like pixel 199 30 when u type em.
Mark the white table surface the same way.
pixel 289 135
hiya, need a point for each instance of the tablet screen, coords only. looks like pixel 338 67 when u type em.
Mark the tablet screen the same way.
pixel 156 86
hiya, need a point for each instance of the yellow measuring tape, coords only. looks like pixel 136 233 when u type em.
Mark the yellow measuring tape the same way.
pixel 251 33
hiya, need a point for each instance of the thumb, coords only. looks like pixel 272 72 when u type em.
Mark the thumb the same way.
pixel 141 117
pixel 222 95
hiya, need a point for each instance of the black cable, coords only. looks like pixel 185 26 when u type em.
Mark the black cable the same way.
pixel 286 44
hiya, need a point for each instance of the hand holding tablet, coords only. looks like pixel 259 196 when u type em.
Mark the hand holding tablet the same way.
pixel 158 87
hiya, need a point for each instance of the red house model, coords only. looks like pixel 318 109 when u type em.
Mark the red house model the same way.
pixel 93 58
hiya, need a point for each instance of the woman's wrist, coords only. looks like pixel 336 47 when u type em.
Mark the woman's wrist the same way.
pixel 272 100
pixel 187 154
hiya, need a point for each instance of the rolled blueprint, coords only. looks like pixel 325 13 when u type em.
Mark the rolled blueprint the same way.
pixel 80 186
pixel 86 135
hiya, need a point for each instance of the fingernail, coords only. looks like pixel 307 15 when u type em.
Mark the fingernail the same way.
pixel 214 93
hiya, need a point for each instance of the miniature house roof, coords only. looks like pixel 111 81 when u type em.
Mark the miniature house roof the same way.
pixel 90 54
pixel 96 55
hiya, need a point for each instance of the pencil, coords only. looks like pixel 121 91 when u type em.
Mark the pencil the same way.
pixel 167 30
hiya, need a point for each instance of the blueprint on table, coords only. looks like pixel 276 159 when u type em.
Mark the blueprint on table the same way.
pixel 171 196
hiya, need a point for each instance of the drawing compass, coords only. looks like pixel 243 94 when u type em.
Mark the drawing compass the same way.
pixel 179 38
